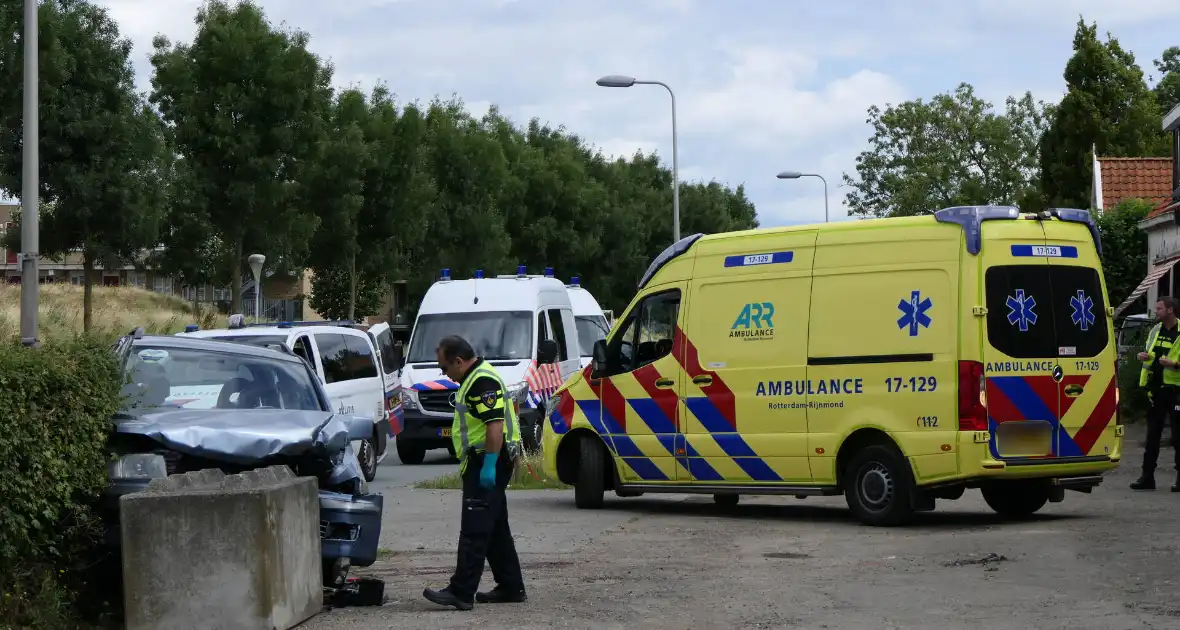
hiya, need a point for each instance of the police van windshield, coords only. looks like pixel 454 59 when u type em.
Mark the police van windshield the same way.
pixel 500 335
pixel 591 328
pixel 1039 311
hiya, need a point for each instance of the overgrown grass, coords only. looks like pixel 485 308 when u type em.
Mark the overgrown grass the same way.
pixel 116 311
pixel 529 475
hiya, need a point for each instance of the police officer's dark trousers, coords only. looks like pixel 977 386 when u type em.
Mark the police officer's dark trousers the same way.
pixel 484 532
pixel 1163 409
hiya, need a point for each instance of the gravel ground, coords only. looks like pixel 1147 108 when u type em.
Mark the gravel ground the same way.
pixel 1106 560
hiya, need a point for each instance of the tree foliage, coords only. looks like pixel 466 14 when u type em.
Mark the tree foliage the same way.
pixel 337 294
pixel 1108 107
pixel 1124 247
pixel 952 150
pixel 101 148
pixel 246 104
pixel 1167 88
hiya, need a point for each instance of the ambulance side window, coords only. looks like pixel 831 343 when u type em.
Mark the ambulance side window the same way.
pixel 621 351
pixel 657 327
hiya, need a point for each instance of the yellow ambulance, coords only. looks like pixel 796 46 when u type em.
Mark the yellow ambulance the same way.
pixel 894 361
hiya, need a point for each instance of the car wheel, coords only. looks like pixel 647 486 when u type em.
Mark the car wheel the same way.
pixel 1018 499
pixel 409 453
pixel 368 459
pixel 591 483
pixel 538 433
pixel 878 486
pixel 726 500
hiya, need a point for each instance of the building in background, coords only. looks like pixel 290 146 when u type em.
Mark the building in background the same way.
pixel 1157 181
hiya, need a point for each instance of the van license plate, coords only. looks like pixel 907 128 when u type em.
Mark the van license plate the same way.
pixel 444 433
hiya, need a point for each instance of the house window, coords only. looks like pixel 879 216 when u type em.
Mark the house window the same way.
pixel 137 279
pixel 77 278
pixel 162 284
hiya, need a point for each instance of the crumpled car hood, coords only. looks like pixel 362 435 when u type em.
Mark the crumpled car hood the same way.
pixel 247 436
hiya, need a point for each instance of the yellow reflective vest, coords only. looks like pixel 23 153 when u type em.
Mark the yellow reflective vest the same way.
pixel 1171 376
pixel 469 432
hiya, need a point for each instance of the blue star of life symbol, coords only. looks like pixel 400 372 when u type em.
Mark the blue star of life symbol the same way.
pixel 913 313
pixel 1083 310
pixel 1022 310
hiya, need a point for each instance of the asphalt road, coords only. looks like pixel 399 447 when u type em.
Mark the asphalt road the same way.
pixel 394 474
pixel 1107 560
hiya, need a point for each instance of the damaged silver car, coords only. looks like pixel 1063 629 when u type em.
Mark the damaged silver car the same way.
pixel 192 404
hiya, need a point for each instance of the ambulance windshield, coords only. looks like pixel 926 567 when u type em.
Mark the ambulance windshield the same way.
pixel 499 335
pixel 1041 311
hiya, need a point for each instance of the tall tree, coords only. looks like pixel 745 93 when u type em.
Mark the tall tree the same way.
pixel 1124 247
pixel 952 150
pixel 1167 89
pixel 335 187
pixel 101 147
pixel 246 103
pixel 1107 107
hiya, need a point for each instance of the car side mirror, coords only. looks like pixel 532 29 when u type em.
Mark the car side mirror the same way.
pixel 547 352
pixel 598 360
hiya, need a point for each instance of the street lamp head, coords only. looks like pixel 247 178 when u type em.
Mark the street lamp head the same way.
pixel 790 175
pixel 616 80
pixel 256 262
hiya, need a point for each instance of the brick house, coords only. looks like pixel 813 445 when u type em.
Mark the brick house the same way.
pixel 1157 180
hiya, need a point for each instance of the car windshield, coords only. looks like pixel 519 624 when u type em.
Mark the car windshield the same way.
pixel 190 378
pixel 500 335
pixel 591 328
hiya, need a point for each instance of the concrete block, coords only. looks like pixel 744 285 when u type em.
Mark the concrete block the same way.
pixel 210 551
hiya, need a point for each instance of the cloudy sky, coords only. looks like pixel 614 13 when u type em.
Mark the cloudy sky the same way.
pixel 762 85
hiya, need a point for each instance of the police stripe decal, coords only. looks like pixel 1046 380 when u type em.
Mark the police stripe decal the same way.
pixel 435 386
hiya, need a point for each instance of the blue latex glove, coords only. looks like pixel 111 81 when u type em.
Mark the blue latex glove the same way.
pixel 487 474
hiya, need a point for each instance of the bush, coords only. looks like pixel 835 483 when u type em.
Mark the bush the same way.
pixel 56 405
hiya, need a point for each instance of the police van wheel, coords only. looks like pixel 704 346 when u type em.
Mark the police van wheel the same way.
pixel 726 500
pixel 591 483
pixel 878 486
pixel 410 454
pixel 1017 499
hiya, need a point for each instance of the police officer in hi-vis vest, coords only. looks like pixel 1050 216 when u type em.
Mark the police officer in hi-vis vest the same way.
pixel 487 442
pixel 1161 377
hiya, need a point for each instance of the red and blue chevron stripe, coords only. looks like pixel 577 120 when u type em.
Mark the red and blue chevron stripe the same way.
pixel 435 385
pixel 1025 398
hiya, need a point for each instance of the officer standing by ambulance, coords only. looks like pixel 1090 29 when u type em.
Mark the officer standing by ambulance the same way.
pixel 1160 376
pixel 487 440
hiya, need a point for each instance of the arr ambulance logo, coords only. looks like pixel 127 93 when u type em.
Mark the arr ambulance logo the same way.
pixel 754 323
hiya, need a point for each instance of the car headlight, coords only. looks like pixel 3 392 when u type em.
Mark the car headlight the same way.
pixel 409 398
pixel 138 466
pixel 518 392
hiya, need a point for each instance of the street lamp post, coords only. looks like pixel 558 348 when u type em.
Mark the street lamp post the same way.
pixel 797 175
pixel 256 262
pixel 30 187
pixel 615 80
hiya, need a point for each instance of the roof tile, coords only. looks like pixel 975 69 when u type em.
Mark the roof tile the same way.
pixel 1148 178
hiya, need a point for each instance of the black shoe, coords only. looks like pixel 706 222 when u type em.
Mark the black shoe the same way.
pixel 1144 482
pixel 445 597
pixel 500 595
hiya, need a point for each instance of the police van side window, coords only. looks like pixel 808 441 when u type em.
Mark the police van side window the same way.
pixel 359 361
pixel 333 351
pixel 389 360
pixel 558 328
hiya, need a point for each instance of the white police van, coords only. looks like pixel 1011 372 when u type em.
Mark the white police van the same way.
pixel 589 318
pixel 523 325
pixel 356 364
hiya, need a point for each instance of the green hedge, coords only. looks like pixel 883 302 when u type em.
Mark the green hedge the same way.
pixel 56 405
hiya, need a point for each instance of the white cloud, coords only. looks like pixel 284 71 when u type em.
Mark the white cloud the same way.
pixel 761 86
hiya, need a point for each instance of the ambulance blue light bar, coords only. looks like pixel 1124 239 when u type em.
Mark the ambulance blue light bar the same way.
pixel 479 274
pixel 672 251
pixel 971 219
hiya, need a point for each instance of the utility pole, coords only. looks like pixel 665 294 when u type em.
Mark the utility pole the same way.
pixel 30 188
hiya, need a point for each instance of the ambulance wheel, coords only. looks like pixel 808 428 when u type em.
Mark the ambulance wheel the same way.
pixel 726 500
pixel 878 486
pixel 368 459
pixel 409 453
pixel 591 483
pixel 1017 499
